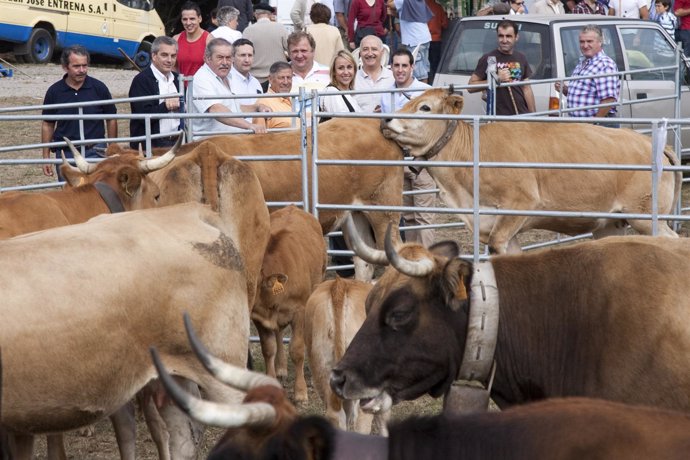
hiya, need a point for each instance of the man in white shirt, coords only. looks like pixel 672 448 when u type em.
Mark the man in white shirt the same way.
pixel 403 72
pixel 227 24
pixel 212 80
pixel 373 74
pixel 636 9
pixel 306 72
pixel 547 7
pixel 414 33
pixel 241 80
pixel 159 79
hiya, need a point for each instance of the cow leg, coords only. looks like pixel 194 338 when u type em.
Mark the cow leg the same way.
pixel 185 434
pixel 154 422
pixel 268 347
pixel 297 355
pixel 381 422
pixel 646 227
pixel 362 421
pixel 56 447
pixel 125 428
pixel 22 446
pixel 281 358
pixel 504 231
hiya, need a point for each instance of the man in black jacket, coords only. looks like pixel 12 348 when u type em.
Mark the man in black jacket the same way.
pixel 157 79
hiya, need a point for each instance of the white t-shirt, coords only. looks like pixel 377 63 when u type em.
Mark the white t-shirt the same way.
pixel 227 33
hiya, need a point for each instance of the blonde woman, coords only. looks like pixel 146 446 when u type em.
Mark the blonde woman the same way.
pixel 342 73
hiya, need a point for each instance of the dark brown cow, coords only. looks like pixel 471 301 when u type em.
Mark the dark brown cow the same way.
pixel 339 139
pixel 266 426
pixel 119 183
pixel 604 319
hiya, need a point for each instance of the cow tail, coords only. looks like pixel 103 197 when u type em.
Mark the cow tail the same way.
pixel 209 175
pixel 337 300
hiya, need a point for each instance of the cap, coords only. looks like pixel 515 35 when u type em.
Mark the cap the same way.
pixel 264 7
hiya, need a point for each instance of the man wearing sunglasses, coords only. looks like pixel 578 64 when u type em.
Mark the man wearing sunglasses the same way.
pixel 518 7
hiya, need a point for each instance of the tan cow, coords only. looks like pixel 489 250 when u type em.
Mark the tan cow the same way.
pixel 137 271
pixel 339 139
pixel 294 263
pixel 536 189
pixel 119 183
pixel 334 314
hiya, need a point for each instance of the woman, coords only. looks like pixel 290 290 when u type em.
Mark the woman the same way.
pixel 327 37
pixel 370 16
pixel 191 41
pixel 343 70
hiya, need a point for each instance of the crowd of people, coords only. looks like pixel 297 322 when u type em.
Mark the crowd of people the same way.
pixel 241 58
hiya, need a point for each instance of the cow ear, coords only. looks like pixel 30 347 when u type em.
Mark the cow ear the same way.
pixel 456 281
pixel 453 104
pixel 129 180
pixel 448 249
pixel 276 283
pixel 73 176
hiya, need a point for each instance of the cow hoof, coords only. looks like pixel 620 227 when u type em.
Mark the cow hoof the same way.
pixel 86 431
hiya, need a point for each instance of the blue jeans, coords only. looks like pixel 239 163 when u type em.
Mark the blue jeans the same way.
pixel 684 35
pixel 421 63
pixel 91 151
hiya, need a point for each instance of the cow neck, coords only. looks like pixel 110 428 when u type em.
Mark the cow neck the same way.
pixel 482 326
pixel 112 200
pixel 442 141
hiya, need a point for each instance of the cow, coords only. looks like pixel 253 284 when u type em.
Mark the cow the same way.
pixel 614 191
pixel 603 319
pixel 119 183
pixel 334 314
pixel 293 265
pixel 338 139
pixel 138 270
pixel 266 426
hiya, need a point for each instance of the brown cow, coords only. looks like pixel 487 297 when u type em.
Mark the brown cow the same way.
pixel 119 183
pixel 217 254
pixel 339 139
pixel 334 314
pixel 536 189
pixel 603 319
pixel 294 263
pixel 266 426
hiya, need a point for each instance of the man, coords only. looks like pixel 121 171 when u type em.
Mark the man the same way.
pixel 241 80
pixel 511 66
pixel 682 10
pixel 436 25
pixel 590 7
pixel 592 91
pixel 280 82
pixel 548 7
pixel 157 79
pixel 342 9
pixel 372 75
pixel 269 39
pixel 414 33
pixel 212 80
pixel 243 6
pixel 403 72
pixel 636 9
pixel 305 71
pixel 76 86
pixel 517 7
pixel 227 24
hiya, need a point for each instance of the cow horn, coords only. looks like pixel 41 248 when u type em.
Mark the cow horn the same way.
pixel 83 165
pixel 65 163
pixel 363 251
pixel 236 377
pixel 416 268
pixel 153 164
pixel 210 413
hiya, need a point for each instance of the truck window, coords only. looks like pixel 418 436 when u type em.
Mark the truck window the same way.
pixel 475 38
pixel 136 4
pixel 570 38
pixel 646 48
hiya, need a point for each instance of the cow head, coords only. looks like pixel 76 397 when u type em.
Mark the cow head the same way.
pixel 265 425
pixel 420 136
pixel 412 340
pixel 125 174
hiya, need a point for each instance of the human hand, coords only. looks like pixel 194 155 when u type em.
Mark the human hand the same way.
pixel 258 129
pixel 352 45
pixel 48 170
pixel 504 75
pixel 561 89
pixel 172 104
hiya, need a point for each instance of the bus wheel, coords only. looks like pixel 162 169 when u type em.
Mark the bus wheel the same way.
pixel 41 46
pixel 143 56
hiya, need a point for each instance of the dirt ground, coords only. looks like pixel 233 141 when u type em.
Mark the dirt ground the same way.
pixel 27 88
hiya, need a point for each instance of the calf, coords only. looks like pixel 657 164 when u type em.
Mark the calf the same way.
pixel 266 426
pixel 334 314
pixel 293 265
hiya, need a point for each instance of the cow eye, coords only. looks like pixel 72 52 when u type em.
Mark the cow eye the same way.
pixel 400 318
pixel 425 108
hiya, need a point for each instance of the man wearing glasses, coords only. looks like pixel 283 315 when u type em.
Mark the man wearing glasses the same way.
pixel 511 66
pixel 518 7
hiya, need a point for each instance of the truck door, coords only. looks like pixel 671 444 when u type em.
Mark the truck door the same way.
pixel 90 24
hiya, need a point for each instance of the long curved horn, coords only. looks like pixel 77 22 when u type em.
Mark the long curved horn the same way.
pixel 416 268
pixel 236 377
pixel 361 249
pixel 211 413
pixel 83 165
pixel 66 163
pixel 152 164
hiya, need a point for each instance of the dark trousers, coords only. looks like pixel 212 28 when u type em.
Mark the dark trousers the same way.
pixel 91 151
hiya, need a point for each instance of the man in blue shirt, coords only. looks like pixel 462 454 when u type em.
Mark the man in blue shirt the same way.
pixel 76 87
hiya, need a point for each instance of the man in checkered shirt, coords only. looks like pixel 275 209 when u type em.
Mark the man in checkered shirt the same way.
pixel 592 91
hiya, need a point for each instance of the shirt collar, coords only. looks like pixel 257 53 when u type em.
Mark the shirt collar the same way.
pixel 160 76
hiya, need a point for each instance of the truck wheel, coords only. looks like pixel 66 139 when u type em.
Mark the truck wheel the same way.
pixel 143 56
pixel 41 46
